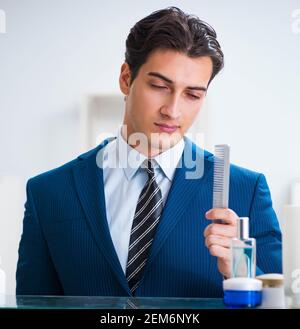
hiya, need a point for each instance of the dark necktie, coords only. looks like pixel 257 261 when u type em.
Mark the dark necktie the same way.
pixel 147 214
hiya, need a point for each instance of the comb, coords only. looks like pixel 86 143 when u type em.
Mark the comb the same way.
pixel 221 177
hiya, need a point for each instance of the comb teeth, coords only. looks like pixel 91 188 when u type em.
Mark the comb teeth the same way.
pixel 221 176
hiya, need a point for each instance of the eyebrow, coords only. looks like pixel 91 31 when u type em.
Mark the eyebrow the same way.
pixel 162 77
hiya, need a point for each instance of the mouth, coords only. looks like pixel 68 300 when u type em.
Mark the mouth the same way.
pixel 167 128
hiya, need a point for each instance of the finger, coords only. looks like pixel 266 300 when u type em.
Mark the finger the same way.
pixel 227 215
pixel 219 251
pixel 217 240
pixel 220 229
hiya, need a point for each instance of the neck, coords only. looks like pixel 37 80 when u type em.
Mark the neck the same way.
pixel 144 148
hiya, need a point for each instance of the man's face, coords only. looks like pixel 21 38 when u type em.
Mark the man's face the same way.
pixel 165 97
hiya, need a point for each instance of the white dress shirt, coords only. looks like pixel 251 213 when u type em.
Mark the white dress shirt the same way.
pixel 124 179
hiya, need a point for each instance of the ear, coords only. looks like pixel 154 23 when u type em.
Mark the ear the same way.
pixel 124 79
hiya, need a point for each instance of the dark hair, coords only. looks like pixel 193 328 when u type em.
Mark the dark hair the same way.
pixel 171 28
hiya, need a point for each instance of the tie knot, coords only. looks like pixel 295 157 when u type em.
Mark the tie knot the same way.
pixel 149 168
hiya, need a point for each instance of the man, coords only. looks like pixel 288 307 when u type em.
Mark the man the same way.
pixel 124 219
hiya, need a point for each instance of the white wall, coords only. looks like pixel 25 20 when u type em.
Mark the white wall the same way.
pixel 56 52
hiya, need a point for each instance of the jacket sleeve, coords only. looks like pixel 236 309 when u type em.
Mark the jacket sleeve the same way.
pixel 264 227
pixel 35 274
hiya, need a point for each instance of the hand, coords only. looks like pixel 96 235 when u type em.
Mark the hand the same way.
pixel 218 237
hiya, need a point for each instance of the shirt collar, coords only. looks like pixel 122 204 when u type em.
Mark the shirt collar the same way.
pixel 168 160
pixel 131 160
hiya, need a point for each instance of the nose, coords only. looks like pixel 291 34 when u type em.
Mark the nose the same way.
pixel 171 108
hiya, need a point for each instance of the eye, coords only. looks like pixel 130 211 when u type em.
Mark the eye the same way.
pixel 158 86
pixel 194 96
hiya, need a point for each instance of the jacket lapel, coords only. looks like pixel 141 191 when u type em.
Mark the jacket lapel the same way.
pixel 89 183
pixel 181 194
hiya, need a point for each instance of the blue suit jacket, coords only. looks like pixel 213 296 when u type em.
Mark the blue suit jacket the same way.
pixel 66 246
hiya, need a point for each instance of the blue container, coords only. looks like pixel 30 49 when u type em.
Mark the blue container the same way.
pixel 242 292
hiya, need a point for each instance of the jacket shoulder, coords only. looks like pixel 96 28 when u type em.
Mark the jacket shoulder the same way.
pixel 210 157
pixel 63 172
pixel 237 173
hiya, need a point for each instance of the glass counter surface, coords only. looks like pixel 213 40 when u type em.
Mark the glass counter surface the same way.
pixel 98 302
